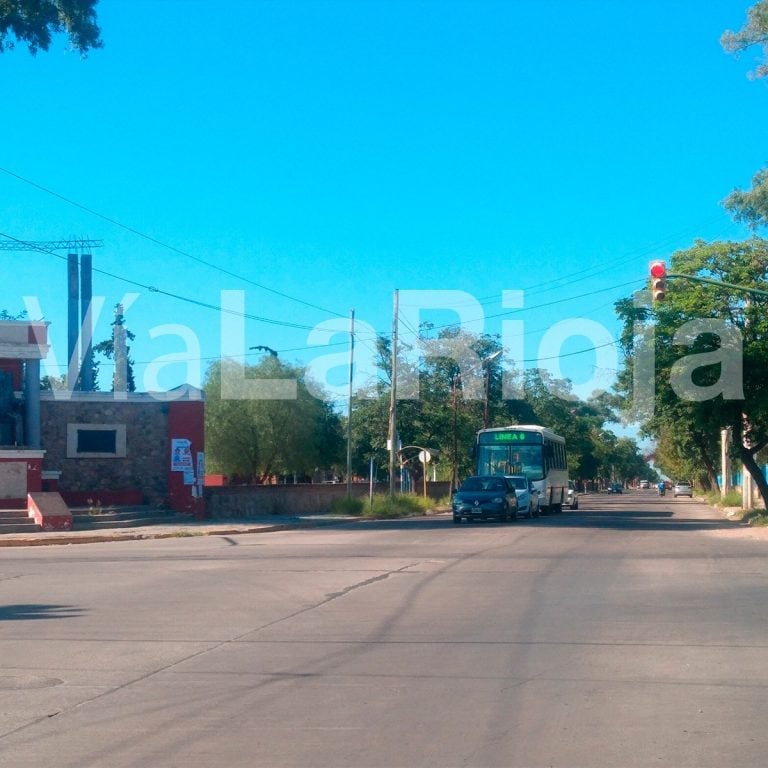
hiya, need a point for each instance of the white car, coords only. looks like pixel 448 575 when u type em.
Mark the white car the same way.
pixel 682 488
pixel 572 496
pixel 527 495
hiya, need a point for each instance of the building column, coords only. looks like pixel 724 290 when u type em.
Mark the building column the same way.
pixel 32 403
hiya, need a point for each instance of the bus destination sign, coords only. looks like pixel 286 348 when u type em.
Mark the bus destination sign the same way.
pixel 510 437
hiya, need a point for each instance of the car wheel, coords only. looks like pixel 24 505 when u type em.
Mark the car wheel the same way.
pixel 456 520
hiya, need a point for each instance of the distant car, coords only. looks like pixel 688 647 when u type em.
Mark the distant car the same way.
pixel 572 496
pixel 481 497
pixel 616 488
pixel 682 488
pixel 527 495
pixel 645 484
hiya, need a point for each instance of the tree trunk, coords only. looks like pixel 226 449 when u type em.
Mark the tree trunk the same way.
pixel 711 477
pixel 748 460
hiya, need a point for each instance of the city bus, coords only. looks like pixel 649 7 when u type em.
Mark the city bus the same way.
pixel 526 449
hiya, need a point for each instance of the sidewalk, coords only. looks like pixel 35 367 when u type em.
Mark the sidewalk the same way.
pixel 180 529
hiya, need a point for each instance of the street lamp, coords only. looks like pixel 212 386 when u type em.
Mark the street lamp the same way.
pixel 265 348
pixel 454 396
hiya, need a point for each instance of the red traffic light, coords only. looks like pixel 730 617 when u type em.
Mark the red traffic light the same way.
pixel 658 269
pixel 658 280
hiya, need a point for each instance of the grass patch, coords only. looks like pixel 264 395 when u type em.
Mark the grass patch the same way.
pixel 731 499
pixel 385 507
pixel 348 505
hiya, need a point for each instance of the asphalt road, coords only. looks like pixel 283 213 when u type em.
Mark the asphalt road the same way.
pixel 632 632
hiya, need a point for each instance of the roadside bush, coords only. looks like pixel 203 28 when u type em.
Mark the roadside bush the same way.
pixel 349 505
pixel 732 498
pixel 400 505
pixel 757 517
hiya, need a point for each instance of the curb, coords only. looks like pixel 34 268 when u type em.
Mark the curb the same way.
pixel 46 540
pixel 43 539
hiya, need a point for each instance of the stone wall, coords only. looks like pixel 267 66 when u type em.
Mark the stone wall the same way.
pixel 145 465
pixel 256 500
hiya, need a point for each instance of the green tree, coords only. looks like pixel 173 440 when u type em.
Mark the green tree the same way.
pixel 754 32
pixel 257 438
pixel 49 383
pixel 452 406
pixel 751 206
pixel 710 351
pixel 6 315
pixel 34 22
pixel 625 461
pixel 444 408
pixel 108 347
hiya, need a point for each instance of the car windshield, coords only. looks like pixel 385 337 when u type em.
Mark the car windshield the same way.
pixel 523 459
pixel 520 483
pixel 473 484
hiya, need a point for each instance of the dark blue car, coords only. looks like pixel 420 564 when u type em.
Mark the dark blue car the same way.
pixel 484 497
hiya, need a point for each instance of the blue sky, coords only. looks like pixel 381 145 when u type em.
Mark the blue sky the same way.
pixel 319 155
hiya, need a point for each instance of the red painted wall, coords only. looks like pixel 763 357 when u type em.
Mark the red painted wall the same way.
pixel 14 367
pixel 34 475
pixel 186 421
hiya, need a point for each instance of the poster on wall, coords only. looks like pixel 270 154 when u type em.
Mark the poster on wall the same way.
pixel 181 455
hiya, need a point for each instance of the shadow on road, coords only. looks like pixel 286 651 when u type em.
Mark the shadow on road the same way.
pixel 621 513
pixel 33 611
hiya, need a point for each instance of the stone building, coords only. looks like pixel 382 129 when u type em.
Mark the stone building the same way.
pixel 94 447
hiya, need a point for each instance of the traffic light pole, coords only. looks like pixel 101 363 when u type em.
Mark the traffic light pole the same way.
pixel 719 283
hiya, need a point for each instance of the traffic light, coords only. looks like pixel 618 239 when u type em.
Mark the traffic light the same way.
pixel 658 281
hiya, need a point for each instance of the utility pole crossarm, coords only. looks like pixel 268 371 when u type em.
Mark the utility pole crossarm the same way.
pixel 49 245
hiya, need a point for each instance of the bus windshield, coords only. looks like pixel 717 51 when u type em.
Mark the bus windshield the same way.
pixel 511 460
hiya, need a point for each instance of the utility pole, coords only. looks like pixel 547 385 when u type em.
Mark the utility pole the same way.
pixel 393 398
pixel 349 406
pixel 454 431
pixel 484 363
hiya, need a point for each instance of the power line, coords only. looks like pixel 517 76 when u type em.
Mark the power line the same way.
pixel 592 271
pixel 169 294
pixel 162 244
pixel 516 310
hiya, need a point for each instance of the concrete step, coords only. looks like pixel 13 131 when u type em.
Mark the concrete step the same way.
pixel 12 514
pixel 120 517
pixel 17 521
